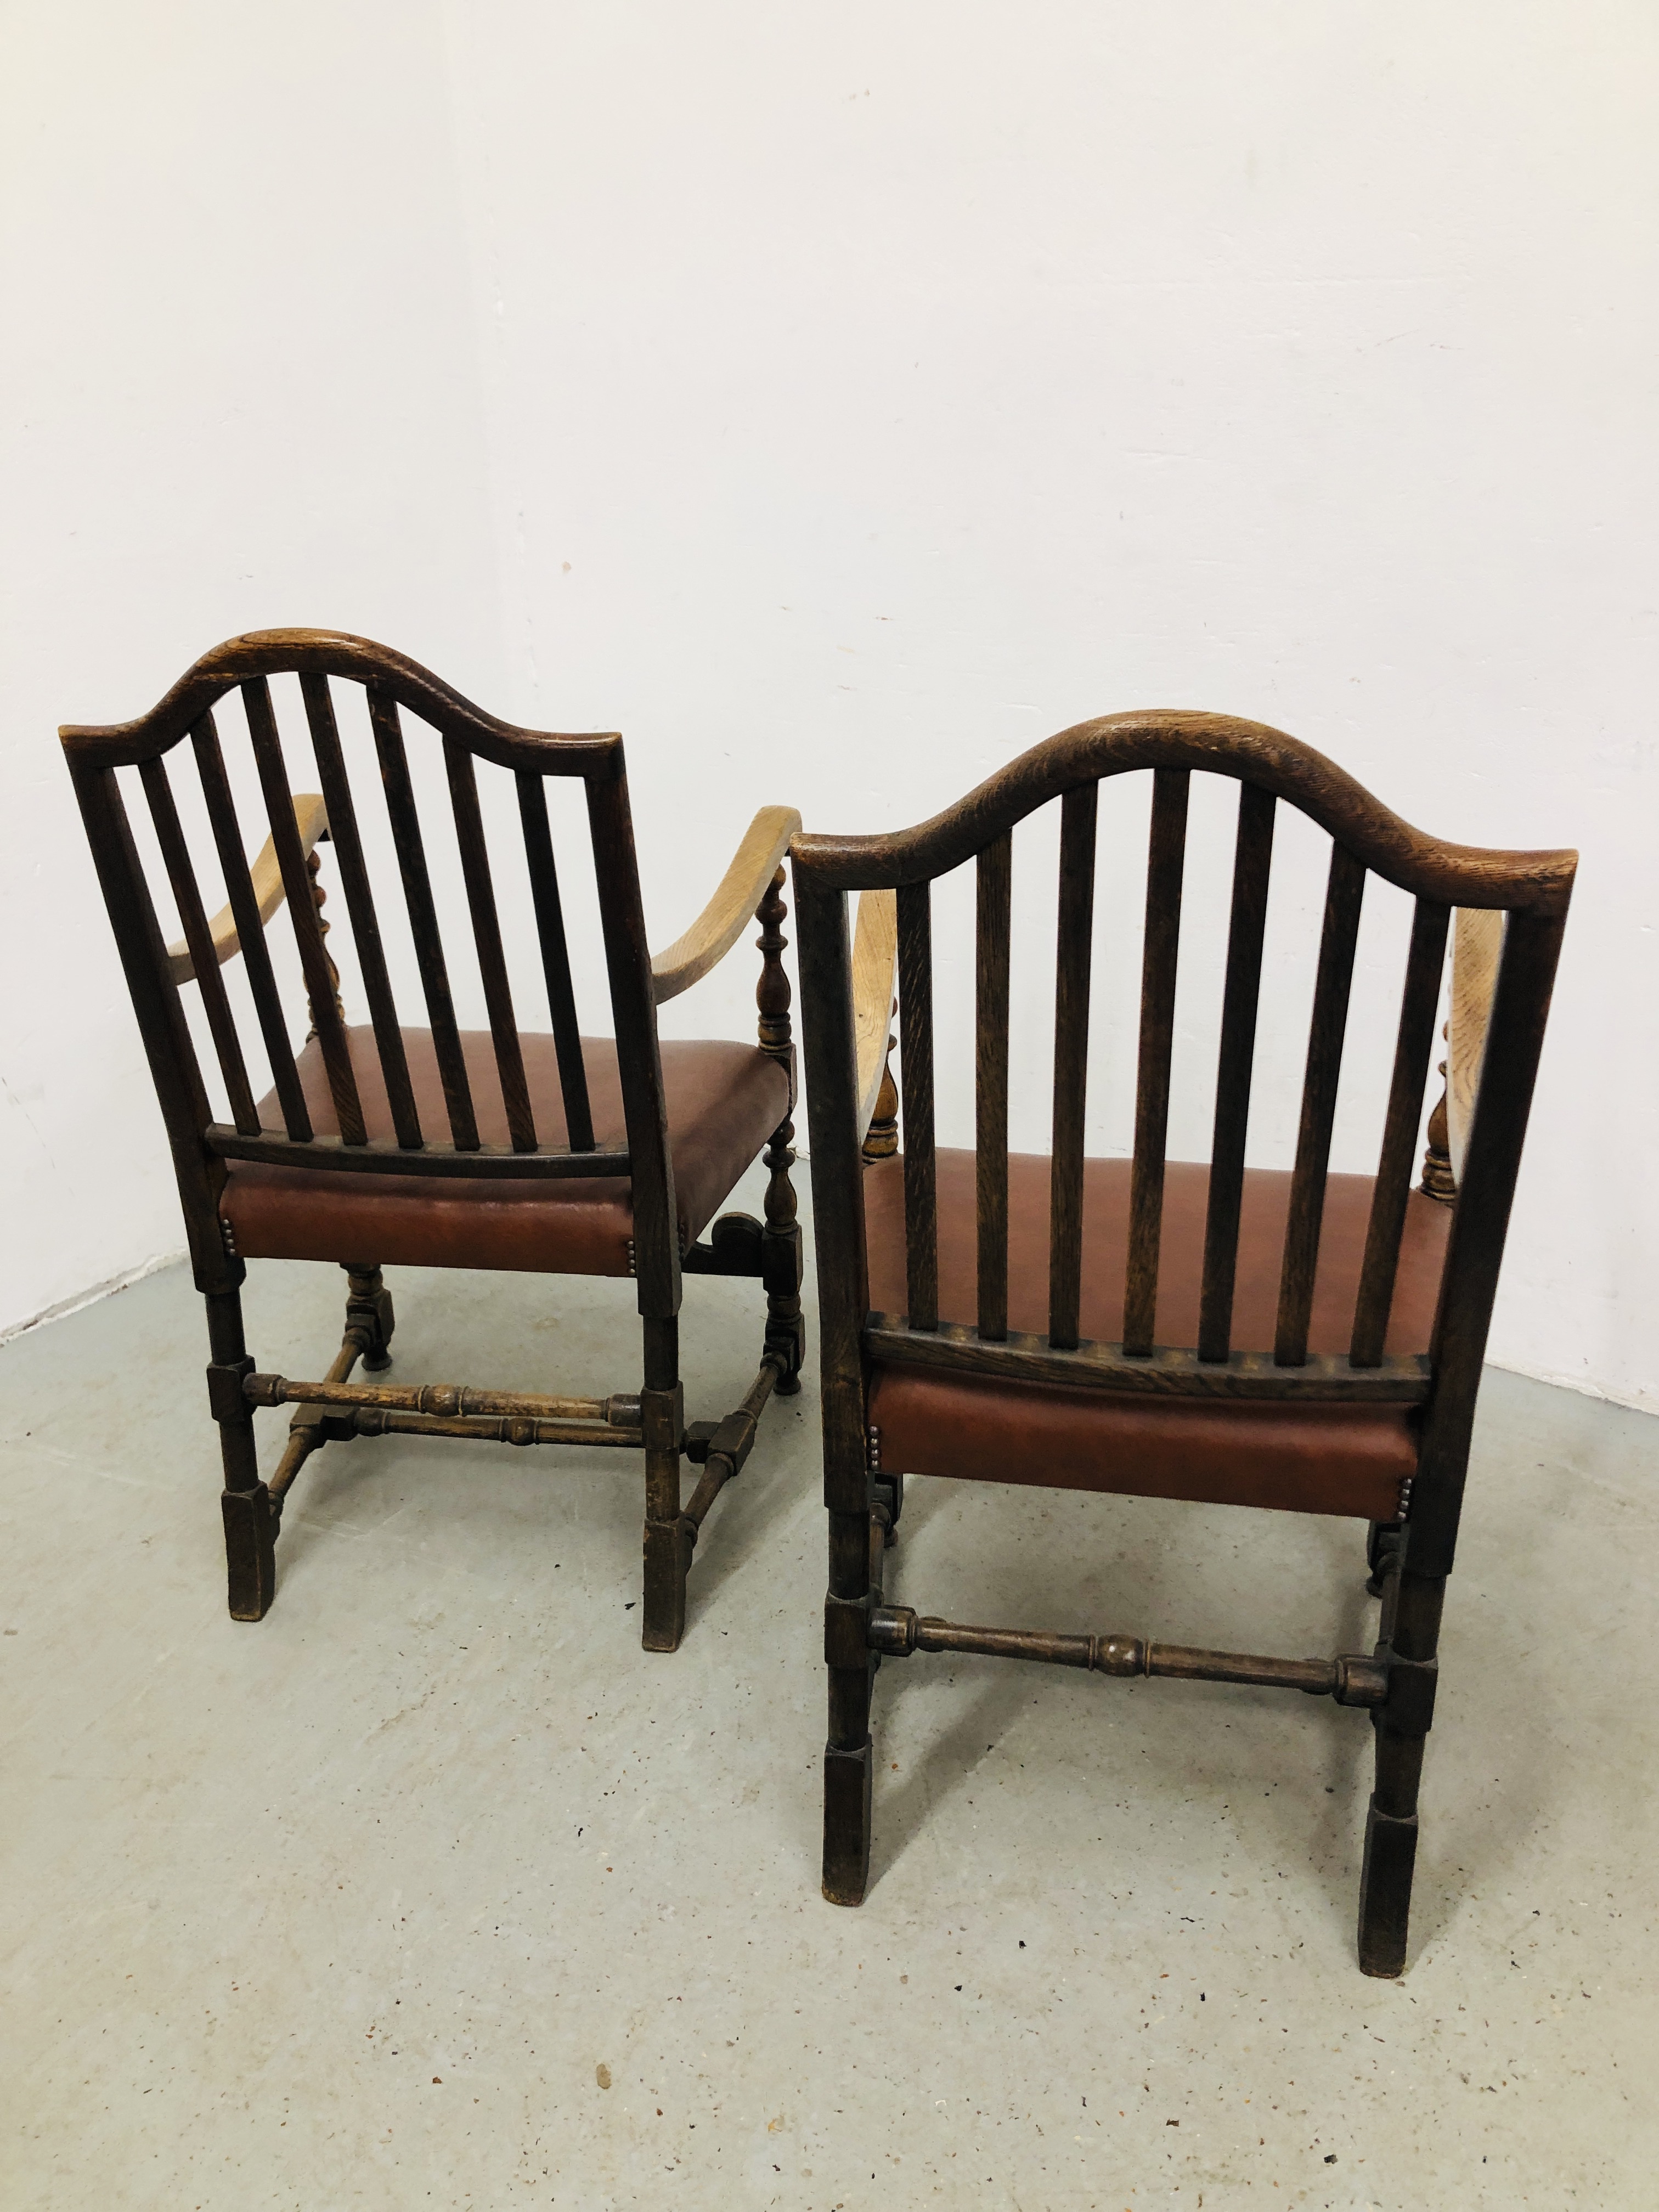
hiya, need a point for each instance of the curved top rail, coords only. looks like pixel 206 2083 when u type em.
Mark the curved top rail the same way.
pixel 332 652
pixel 1453 875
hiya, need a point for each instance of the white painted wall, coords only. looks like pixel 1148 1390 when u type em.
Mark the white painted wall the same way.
pixel 240 390
pixel 837 401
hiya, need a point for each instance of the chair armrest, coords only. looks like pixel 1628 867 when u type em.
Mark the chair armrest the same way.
pixel 727 915
pixel 875 960
pixel 311 819
pixel 1477 945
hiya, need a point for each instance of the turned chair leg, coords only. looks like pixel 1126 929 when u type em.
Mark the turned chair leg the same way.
pixel 369 1316
pixel 249 1518
pixel 781 1253
pixel 1411 1608
pixel 780 1265
pixel 667 1545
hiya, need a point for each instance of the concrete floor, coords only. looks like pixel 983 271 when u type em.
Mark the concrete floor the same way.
pixel 366 1906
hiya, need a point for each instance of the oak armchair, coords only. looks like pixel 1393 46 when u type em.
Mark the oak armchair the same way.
pixel 1302 1341
pixel 504 1148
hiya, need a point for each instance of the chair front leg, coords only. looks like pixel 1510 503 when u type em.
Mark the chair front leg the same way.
pixel 781 1267
pixel 250 1519
pixel 1411 1625
pixel 667 1549
pixel 369 1316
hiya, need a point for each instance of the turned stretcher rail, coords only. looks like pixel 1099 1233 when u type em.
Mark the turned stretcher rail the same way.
pixel 449 1400
pixel 729 1447
pixel 1351 1680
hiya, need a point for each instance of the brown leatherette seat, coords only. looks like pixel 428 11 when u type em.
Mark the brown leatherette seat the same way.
pixel 724 1101
pixel 1305 1458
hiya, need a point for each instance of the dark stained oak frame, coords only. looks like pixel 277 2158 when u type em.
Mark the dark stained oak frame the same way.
pixel 845 999
pixel 651 1419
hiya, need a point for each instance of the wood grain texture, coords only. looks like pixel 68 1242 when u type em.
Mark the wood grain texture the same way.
pixel 993 929
pixel 764 845
pixel 200 948
pixel 875 970
pixel 1241 996
pixel 1331 983
pixel 1074 953
pixel 249 929
pixel 1419 1002
pixel 335 1408
pixel 1397 1681
pixel 1515 1037
pixel 314 962
pixel 335 652
pixel 1428 867
pixel 838 1228
pixel 556 959
pixel 410 844
pixel 1165 864
pixel 1170 1371
pixel 632 1000
pixel 487 942
pixel 916 967
pixel 342 820
pixel 1477 948
pixel 311 824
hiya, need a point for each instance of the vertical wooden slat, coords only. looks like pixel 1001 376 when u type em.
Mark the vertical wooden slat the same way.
pixel 302 910
pixel 1419 1002
pixel 916 972
pixel 422 918
pixel 1078 815
pixel 360 905
pixel 215 1004
pixel 1165 862
pixel 556 959
pixel 993 924
pixel 250 930
pixel 1252 860
pixel 487 936
pixel 634 1006
pixel 1338 938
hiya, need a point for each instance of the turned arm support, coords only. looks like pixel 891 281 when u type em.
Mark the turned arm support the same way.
pixel 311 819
pixel 727 915
pixel 875 960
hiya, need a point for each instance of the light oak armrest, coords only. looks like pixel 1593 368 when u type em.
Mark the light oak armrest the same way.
pixel 311 819
pixel 1477 945
pixel 875 960
pixel 727 915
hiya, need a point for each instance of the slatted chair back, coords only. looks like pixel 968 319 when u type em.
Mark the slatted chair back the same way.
pixel 393 686
pixel 1526 892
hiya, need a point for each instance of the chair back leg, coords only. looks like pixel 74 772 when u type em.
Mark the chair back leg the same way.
pixel 1410 1638
pixel 667 1551
pixel 249 1517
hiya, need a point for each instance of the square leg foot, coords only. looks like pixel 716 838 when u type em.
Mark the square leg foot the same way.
pixel 847 1777
pixel 250 1551
pixel 667 1556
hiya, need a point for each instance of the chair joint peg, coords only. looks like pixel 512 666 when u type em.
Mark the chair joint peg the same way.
pixel 892 1630
pixel 1361 1681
